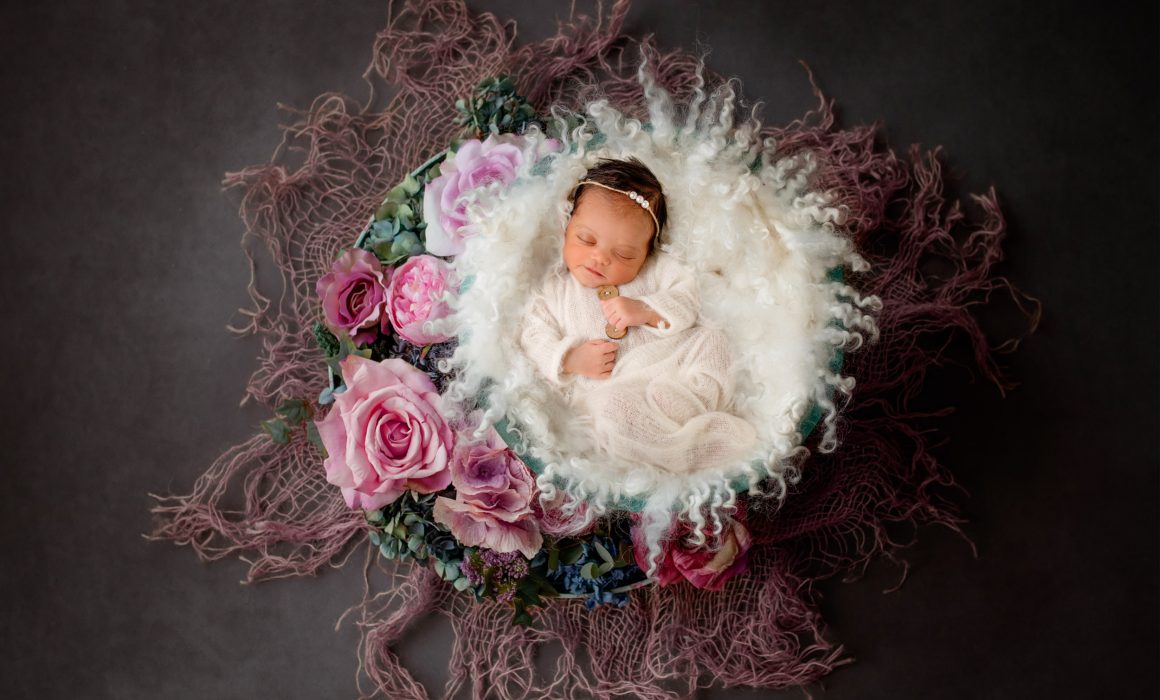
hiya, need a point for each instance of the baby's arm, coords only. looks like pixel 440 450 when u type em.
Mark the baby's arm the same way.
pixel 676 301
pixel 545 342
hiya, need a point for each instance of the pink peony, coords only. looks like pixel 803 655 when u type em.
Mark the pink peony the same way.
pixel 493 501
pixel 415 297
pixel 476 164
pixel 701 566
pixel 384 434
pixel 354 294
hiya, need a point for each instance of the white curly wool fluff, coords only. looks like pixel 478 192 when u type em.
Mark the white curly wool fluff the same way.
pixel 761 246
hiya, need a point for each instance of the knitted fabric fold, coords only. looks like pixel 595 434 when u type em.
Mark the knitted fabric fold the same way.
pixel 330 172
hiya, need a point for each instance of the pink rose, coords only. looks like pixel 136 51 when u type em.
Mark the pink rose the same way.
pixel 476 164
pixel 493 501
pixel 385 434
pixel 415 296
pixel 701 566
pixel 353 295
pixel 563 517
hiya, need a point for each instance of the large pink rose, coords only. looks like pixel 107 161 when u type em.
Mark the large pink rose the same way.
pixel 415 297
pixel 493 501
pixel 476 164
pixel 354 294
pixel 385 434
pixel 701 566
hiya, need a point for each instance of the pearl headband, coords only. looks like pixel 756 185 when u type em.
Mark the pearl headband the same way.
pixel 639 199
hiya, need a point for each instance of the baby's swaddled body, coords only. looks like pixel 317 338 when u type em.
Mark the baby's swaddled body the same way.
pixel 665 402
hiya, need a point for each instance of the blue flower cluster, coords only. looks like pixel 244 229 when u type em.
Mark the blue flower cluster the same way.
pixel 569 579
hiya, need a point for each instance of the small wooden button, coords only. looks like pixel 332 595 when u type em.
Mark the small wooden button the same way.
pixel 615 333
pixel 607 291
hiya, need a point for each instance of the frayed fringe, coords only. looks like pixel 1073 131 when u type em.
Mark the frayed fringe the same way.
pixel 764 629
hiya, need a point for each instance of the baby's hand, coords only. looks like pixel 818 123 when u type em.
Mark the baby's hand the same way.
pixel 594 359
pixel 626 312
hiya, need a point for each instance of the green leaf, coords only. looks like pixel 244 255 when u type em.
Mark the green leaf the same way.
pixel 327 342
pixel 602 552
pixel 414 543
pixel 295 411
pixel 278 430
pixel 462 584
pixel 553 557
pixel 374 516
pixel 315 438
pixel 376 539
pixel 521 616
pixel 587 571
pixel 572 555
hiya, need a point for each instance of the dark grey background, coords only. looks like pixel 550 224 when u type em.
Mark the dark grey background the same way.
pixel 121 267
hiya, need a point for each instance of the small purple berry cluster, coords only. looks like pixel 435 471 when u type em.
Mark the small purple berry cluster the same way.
pixel 503 571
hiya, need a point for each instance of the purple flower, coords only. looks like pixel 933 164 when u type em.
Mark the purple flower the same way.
pixel 493 501
pixel 354 295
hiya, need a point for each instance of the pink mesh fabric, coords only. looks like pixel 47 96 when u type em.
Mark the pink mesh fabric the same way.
pixel 311 200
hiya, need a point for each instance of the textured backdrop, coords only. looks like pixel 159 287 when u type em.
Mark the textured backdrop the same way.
pixel 122 267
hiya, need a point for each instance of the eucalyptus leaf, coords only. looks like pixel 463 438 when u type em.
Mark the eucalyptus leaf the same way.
pixel 278 430
pixel 588 571
pixel 602 552
pixel 462 584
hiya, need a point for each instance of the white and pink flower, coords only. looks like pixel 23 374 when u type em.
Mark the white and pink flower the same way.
pixel 416 296
pixel 475 165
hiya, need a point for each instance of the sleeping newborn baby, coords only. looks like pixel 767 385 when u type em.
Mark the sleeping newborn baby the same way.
pixel 615 329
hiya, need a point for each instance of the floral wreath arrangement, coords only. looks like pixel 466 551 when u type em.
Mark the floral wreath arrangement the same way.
pixel 426 434
pixel 432 491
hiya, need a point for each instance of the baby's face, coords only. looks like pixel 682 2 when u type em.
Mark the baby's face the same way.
pixel 606 242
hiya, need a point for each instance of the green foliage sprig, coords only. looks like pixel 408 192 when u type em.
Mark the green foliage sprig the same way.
pixel 495 108
pixel 406 530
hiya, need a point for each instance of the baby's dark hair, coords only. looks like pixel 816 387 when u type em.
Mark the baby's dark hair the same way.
pixel 628 175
